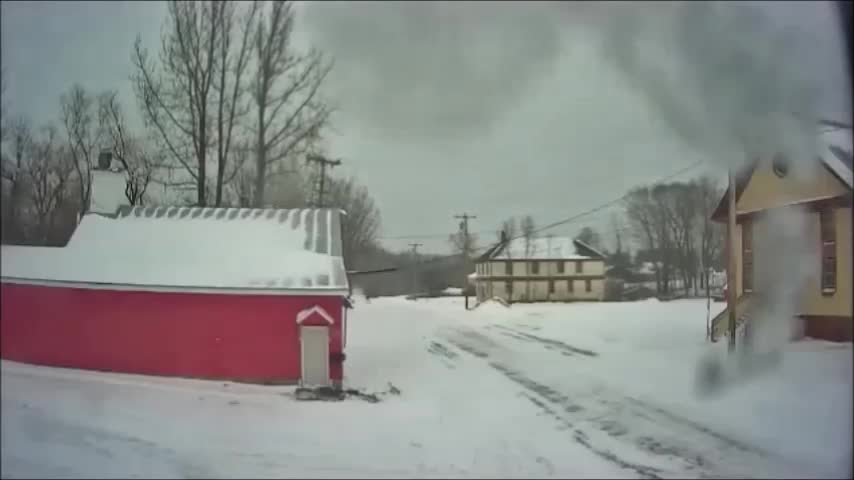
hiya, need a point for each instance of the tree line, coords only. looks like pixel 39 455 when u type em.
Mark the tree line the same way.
pixel 672 225
pixel 228 106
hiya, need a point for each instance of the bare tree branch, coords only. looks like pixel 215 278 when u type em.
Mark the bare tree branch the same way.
pixel 84 136
pixel 285 90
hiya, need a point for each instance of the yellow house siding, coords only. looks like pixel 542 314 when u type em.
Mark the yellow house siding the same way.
pixel 839 303
pixel 739 288
pixel 766 190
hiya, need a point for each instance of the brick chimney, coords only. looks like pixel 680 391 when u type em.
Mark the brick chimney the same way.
pixel 109 181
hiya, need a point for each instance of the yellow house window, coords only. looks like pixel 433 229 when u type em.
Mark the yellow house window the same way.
pixel 828 252
pixel 747 256
pixel 535 267
pixel 579 267
pixel 560 266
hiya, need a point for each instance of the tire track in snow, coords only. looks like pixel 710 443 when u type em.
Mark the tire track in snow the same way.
pixel 638 403
pixel 552 396
pixel 605 417
pixel 564 347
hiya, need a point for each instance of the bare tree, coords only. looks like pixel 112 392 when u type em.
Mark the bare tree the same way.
pixel 12 172
pixel 509 228
pixel 2 103
pixel 590 237
pixel 640 213
pixel 84 136
pixel 361 221
pixel 176 101
pixel 137 160
pixel 527 226
pixel 711 233
pixel 285 89
pixel 229 84
pixel 48 174
pixel 461 243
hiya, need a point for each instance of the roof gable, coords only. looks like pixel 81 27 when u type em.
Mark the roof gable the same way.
pixel 544 248
pixel 834 178
pixel 315 315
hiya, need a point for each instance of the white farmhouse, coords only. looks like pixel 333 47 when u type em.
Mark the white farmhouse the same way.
pixel 540 270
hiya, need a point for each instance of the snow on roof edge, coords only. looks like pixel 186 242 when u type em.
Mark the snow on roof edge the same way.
pixel 589 247
pixel 319 291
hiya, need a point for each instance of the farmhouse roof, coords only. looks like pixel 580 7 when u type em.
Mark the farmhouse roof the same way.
pixel 544 248
pixel 194 248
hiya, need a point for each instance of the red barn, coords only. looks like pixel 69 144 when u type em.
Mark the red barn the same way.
pixel 248 294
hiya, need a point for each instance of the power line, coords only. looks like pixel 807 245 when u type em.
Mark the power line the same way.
pixel 584 213
pixel 321 186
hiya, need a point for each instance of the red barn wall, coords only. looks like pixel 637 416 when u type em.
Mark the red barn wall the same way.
pixel 159 333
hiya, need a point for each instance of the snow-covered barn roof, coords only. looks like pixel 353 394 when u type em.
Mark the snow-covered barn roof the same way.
pixel 184 248
pixel 547 248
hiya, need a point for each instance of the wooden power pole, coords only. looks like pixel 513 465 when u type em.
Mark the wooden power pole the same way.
pixel 415 269
pixel 464 227
pixel 323 162
pixel 731 261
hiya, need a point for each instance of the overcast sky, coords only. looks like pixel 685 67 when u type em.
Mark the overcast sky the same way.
pixel 496 109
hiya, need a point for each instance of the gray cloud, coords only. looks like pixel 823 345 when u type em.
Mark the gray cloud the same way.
pixel 434 69
pixel 727 77
pixel 495 108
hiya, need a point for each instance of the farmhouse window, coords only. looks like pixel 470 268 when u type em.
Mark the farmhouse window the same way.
pixel 828 252
pixel 509 267
pixel 588 285
pixel 551 286
pixel 569 285
pixel 535 267
pixel 560 267
pixel 579 267
pixel 509 287
pixel 747 256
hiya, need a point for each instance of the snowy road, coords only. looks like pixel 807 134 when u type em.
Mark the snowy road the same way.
pixel 583 390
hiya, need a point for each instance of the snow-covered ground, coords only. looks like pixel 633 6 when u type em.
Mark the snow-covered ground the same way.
pixel 578 390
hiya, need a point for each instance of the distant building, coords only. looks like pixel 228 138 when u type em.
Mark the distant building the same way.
pixel 543 269
pixel 825 302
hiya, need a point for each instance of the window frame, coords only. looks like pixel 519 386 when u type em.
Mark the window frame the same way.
pixel 561 266
pixel 535 267
pixel 588 285
pixel 827 248
pixel 747 256
pixel 579 266
pixel 551 287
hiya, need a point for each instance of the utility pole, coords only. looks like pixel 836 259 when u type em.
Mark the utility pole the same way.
pixel 415 269
pixel 323 162
pixel 731 263
pixel 464 227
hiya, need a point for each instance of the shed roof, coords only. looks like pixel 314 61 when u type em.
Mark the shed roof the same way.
pixel 282 251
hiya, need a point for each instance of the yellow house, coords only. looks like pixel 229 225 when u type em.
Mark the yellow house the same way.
pixel 556 269
pixel 825 303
